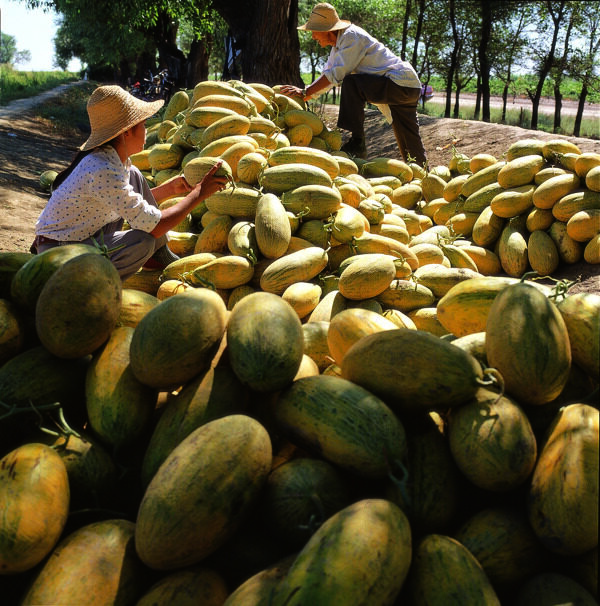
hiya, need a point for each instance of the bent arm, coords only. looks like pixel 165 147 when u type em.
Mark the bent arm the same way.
pixel 171 188
pixel 321 84
pixel 173 215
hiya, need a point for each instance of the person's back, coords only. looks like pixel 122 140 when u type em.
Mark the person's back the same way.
pixel 368 72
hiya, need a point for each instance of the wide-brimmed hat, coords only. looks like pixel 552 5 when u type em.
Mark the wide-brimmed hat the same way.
pixel 112 111
pixel 324 18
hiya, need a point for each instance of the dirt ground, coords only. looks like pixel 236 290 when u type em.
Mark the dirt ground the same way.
pixel 30 145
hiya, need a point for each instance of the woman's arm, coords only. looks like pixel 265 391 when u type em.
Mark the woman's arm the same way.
pixel 171 188
pixel 173 215
pixel 313 90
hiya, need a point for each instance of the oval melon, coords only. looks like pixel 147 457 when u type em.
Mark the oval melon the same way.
pixel 378 536
pixel 202 492
pixel 528 343
pixel 563 495
pixel 211 395
pixel 34 501
pixel 412 370
pixel 79 306
pixel 504 544
pixel 94 565
pixel 445 573
pixel 334 418
pixel 118 405
pixel 265 341
pixel 492 441
pixel 178 339
pixel 30 278
pixel 299 496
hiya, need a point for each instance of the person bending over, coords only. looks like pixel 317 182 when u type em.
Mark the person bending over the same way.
pixel 101 189
pixel 369 73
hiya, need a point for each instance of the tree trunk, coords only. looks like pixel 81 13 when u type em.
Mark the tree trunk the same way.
pixel 144 63
pixel 504 100
pixel 546 63
pixel 420 17
pixel 405 30
pixel 484 63
pixel 456 112
pixel 580 108
pixel 169 55
pixel 557 106
pixel 477 99
pixel 453 60
pixel 197 62
pixel 561 66
pixel 265 30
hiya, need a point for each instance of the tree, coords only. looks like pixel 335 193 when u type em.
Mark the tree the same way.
pixel 457 43
pixel 418 30
pixel 405 21
pixel 560 65
pixel 585 65
pixel 8 48
pixel 507 46
pixel 266 33
pixel 553 11
pixel 431 54
pixel 486 7
pixel 9 53
pixel 123 38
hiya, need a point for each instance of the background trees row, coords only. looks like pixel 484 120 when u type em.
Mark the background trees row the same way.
pixel 9 53
pixel 462 41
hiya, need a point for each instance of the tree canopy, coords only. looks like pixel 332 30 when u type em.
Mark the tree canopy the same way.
pixel 9 53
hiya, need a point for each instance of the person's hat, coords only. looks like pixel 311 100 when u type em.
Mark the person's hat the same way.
pixel 112 111
pixel 324 18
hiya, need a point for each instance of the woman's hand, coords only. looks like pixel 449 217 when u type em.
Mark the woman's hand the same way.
pixel 211 183
pixel 173 215
pixel 181 185
pixel 292 91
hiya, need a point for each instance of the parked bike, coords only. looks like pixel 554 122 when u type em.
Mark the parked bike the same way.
pixel 156 87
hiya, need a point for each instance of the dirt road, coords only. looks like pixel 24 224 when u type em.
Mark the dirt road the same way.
pixel 569 107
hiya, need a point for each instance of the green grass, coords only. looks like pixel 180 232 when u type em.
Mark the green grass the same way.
pixel 69 109
pixel 20 85
pixel 522 118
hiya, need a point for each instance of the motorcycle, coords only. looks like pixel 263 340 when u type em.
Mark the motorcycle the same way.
pixel 156 87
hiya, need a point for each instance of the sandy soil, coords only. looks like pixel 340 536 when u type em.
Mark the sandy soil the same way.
pixel 29 145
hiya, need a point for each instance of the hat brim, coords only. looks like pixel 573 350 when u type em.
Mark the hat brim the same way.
pixel 141 114
pixel 341 24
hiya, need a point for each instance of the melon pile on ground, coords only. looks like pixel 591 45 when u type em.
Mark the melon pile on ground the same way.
pixel 350 357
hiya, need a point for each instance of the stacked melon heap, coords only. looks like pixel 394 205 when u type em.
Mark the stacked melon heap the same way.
pixel 349 389
pixel 536 209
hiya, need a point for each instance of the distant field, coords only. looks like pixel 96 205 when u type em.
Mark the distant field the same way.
pixel 20 85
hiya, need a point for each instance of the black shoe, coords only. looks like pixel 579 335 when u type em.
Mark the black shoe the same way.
pixel 356 147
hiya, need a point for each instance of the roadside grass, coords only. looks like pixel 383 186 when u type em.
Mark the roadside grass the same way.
pixel 21 85
pixel 67 113
pixel 520 117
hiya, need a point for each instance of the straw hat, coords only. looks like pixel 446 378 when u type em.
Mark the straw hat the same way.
pixel 324 18
pixel 112 111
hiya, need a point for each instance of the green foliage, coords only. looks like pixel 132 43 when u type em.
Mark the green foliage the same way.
pixel 8 48
pixel 21 84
